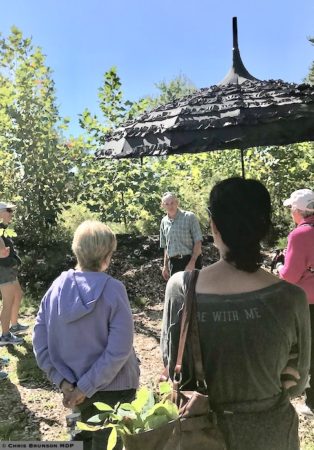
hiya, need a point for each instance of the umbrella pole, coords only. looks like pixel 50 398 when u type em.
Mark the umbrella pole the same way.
pixel 242 163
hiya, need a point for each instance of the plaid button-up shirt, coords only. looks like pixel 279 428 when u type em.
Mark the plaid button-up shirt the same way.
pixel 179 235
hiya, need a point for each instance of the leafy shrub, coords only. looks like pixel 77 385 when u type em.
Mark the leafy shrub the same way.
pixel 117 228
pixel 282 243
pixel 41 265
pixel 147 223
pixel 43 261
pixel 71 217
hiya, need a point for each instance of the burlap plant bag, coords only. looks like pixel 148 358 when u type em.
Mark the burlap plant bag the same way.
pixel 156 439
pixel 193 430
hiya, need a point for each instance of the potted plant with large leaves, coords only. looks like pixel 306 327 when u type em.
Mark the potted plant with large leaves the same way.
pixel 151 416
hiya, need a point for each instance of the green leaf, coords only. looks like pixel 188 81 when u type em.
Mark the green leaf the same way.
pixel 103 406
pixel 168 409
pixel 85 427
pixel 9 232
pixel 144 400
pixel 112 440
pixel 99 417
pixel 165 387
pixel 153 421
pixel 109 425
pixel 127 407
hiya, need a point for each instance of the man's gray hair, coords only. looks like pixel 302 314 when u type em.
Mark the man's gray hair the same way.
pixel 168 195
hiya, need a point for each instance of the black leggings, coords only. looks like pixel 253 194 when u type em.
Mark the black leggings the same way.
pixel 97 440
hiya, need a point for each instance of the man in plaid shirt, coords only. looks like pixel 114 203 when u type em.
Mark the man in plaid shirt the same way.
pixel 180 237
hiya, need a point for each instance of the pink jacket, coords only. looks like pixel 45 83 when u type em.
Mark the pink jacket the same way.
pixel 299 258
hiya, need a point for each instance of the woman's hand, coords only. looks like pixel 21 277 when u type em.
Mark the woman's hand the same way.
pixel 164 376
pixel 67 388
pixel 292 379
pixel 165 273
pixel 71 399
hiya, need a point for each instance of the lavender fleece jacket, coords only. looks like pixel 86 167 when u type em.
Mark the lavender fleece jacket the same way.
pixel 84 333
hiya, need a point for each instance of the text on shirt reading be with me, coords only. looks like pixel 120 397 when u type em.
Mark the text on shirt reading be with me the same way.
pixel 230 316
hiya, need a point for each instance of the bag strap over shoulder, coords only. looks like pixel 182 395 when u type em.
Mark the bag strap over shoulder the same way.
pixel 196 348
pixel 189 328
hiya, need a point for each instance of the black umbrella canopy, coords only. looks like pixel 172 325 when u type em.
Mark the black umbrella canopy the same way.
pixel 240 112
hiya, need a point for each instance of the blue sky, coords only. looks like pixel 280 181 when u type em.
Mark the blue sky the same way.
pixel 154 40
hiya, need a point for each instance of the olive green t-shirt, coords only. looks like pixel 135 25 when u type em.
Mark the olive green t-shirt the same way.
pixel 246 339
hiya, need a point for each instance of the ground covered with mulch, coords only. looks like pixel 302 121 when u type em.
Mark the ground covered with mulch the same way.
pixel 31 408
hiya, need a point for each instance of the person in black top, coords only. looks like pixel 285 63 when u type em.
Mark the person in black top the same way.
pixel 10 288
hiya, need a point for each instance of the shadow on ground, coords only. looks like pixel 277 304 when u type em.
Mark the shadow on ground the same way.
pixel 143 323
pixel 28 373
pixel 15 418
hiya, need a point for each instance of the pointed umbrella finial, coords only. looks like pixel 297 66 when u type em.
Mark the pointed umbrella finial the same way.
pixel 238 73
pixel 235 33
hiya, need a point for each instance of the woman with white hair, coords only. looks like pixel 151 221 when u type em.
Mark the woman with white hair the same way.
pixel 10 288
pixel 83 336
pixel 298 267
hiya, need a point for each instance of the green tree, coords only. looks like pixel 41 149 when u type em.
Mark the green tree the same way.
pixel 114 109
pixel 122 191
pixel 283 170
pixel 172 90
pixel 41 175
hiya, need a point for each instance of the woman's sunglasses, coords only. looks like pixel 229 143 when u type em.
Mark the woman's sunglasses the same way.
pixel 9 210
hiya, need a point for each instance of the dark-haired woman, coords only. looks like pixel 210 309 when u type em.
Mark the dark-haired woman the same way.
pixel 254 328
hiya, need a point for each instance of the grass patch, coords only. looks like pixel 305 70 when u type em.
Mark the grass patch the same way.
pixel 29 306
pixel 140 301
pixel 7 427
pixel 22 367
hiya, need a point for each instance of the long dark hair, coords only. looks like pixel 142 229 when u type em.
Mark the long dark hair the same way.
pixel 241 211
